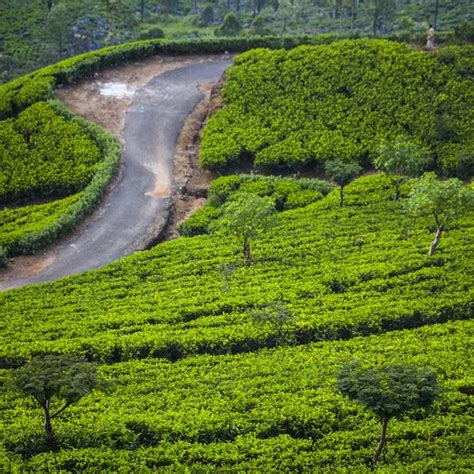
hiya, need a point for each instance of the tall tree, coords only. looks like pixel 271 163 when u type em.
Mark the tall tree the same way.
pixel 442 200
pixel 58 27
pixel 388 392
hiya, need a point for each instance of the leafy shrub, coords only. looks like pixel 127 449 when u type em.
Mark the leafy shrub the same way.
pixel 151 33
pixel 42 154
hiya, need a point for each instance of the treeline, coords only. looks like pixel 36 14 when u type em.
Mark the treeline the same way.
pixel 39 32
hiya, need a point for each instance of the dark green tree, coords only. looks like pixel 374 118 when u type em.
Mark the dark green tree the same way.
pixel 442 200
pixel 57 25
pixel 399 160
pixel 388 392
pixel 207 15
pixel 230 27
pixel 342 173
pixel 246 218
pixel 55 382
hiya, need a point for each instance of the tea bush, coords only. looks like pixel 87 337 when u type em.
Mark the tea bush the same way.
pixel 291 109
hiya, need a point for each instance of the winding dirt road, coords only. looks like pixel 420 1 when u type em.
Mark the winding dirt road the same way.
pixel 137 206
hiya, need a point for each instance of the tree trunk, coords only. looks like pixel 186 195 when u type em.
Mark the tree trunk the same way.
pixel 353 13
pixel 50 438
pixel 436 240
pixel 382 441
pixel 397 192
pixel 376 20
pixel 247 255
pixel 436 15
pixel 142 8
pixel 341 202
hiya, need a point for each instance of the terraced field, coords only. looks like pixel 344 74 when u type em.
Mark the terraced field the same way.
pixel 165 322
pixel 215 361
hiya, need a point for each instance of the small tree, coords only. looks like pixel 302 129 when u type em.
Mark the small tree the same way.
pixel 400 159
pixel 247 217
pixel 388 392
pixel 342 173
pixel 444 200
pixel 55 383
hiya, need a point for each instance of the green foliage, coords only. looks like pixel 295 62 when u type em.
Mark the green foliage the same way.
pixel 399 160
pixel 341 101
pixel 207 15
pixel 341 272
pixel 230 26
pixel 64 379
pixel 42 154
pixel 18 223
pixel 55 383
pixel 285 192
pixel 26 229
pixel 246 217
pixel 272 411
pixel 388 391
pixel 279 318
pixel 3 257
pixel 442 200
pixel 151 33
pixel 342 174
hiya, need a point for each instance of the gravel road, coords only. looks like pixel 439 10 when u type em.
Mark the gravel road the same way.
pixel 136 208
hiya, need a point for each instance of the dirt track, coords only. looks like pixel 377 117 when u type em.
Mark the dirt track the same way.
pixel 136 209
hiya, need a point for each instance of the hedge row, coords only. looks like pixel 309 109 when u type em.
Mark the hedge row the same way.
pixel 39 85
pixel 272 411
pixel 28 92
pixel 344 272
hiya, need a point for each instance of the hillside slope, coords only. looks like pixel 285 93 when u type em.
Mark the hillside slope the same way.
pixel 361 273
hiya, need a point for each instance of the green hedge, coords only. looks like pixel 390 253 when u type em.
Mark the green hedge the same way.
pixel 44 155
pixel 39 85
pixel 358 270
pixel 272 411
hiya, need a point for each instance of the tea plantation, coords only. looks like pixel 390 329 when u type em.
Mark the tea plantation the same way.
pixel 212 361
pixel 197 382
pixel 296 109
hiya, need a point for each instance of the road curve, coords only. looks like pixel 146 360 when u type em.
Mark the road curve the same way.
pixel 137 205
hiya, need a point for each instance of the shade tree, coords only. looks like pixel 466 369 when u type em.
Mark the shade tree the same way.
pixel 388 392
pixel 247 217
pixel 443 200
pixel 342 173
pixel 55 382
pixel 399 160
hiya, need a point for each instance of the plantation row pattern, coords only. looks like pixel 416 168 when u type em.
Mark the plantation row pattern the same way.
pixel 290 110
